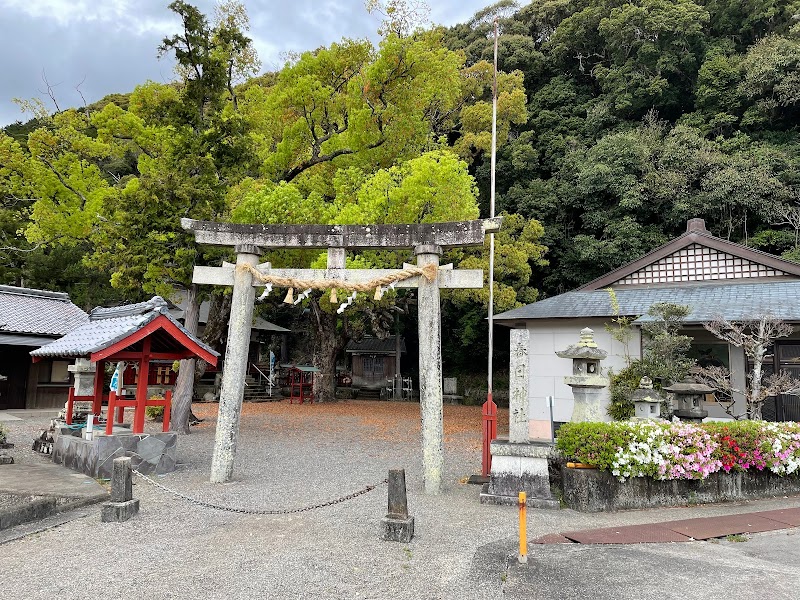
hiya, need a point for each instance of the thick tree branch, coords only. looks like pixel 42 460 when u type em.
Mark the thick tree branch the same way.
pixel 64 182
pixel 316 160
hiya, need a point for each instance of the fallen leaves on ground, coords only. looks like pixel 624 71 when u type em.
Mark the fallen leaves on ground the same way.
pixel 394 421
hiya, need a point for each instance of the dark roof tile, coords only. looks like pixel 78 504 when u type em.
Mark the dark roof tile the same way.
pixel 30 311
pixel 733 301
pixel 375 346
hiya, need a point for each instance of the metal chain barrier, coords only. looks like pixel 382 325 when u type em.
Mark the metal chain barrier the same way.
pixel 250 511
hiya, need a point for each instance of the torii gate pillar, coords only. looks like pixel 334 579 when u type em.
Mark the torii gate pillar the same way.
pixel 430 371
pixel 230 399
pixel 427 239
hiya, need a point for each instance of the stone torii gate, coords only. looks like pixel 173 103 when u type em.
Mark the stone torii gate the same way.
pixel 248 241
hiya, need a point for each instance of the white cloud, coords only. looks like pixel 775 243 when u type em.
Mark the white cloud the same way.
pixel 112 44
pixel 67 12
pixel 117 15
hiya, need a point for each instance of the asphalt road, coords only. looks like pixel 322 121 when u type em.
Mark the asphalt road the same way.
pixel 763 566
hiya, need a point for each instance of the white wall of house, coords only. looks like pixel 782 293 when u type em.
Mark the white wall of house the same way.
pixel 548 370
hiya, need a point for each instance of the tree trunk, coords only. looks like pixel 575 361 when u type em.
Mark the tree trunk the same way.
pixel 216 331
pixel 754 396
pixel 327 346
pixel 184 386
pixel 219 312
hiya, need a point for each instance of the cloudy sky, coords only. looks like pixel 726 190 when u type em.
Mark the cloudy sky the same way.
pixel 106 46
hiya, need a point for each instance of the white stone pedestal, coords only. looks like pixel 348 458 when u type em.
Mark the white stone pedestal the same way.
pixel 520 467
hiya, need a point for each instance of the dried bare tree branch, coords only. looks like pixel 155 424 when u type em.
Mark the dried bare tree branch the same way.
pixel 49 91
pixel 755 337
pixel 80 93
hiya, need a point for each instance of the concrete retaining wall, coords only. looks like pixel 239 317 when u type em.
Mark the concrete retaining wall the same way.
pixel 150 453
pixel 591 490
pixel 16 509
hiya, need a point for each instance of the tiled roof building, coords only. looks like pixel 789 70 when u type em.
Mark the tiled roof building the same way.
pixel 29 319
pixel 714 277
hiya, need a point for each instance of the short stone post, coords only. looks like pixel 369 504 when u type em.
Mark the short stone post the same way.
pixel 122 505
pixel 430 371
pixel 235 368
pixel 398 526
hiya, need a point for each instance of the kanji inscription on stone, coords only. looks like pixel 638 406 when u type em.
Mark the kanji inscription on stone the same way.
pixel 518 386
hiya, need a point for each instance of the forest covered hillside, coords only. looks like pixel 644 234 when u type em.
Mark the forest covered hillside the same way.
pixel 643 114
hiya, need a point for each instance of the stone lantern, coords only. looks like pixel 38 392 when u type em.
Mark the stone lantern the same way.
pixel 84 371
pixel 587 379
pixel 688 399
pixel 646 401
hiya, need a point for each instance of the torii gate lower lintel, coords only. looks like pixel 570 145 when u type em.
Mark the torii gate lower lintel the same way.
pixel 248 242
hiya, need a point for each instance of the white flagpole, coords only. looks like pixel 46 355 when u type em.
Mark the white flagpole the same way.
pixel 489 407
pixel 491 214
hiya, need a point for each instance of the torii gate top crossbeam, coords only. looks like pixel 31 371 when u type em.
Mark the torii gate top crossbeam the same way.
pixel 459 233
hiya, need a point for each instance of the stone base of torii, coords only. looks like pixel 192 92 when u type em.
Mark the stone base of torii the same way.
pixel 249 241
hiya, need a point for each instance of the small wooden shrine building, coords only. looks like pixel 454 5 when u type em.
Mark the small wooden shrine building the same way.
pixel 374 361
pixel 136 334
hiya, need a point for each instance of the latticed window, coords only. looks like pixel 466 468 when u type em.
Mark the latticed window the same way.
pixel 698 263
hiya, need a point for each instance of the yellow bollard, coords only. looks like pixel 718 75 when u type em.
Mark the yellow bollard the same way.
pixel 523 528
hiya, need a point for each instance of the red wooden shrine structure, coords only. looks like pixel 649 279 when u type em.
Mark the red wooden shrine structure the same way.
pixel 301 384
pixel 154 336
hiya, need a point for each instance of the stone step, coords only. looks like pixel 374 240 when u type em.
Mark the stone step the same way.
pixel 263 398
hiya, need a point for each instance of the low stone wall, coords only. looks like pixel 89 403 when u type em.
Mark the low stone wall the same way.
pixel 591 490
pixel 16 509
pixel 150 453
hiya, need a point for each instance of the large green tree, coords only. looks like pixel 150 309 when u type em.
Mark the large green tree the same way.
pixel 189 144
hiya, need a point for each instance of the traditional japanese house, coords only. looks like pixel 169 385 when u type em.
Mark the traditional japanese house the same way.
pixel 30 319
pixel 714 277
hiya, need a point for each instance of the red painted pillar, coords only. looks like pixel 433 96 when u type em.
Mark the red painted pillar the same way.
pixel 489 433
pixel 70 400
pixel 141 387
pixel 167 409
pixel 112 398
pixel 99 378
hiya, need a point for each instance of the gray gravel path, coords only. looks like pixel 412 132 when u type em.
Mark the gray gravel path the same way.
pixel 286 459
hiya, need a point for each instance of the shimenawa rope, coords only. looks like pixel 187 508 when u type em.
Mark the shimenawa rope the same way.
pixel 428 271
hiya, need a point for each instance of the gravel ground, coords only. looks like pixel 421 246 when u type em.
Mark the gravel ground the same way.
pixel 290 457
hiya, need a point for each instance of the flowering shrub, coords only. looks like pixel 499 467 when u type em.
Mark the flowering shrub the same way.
pixel 682 450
